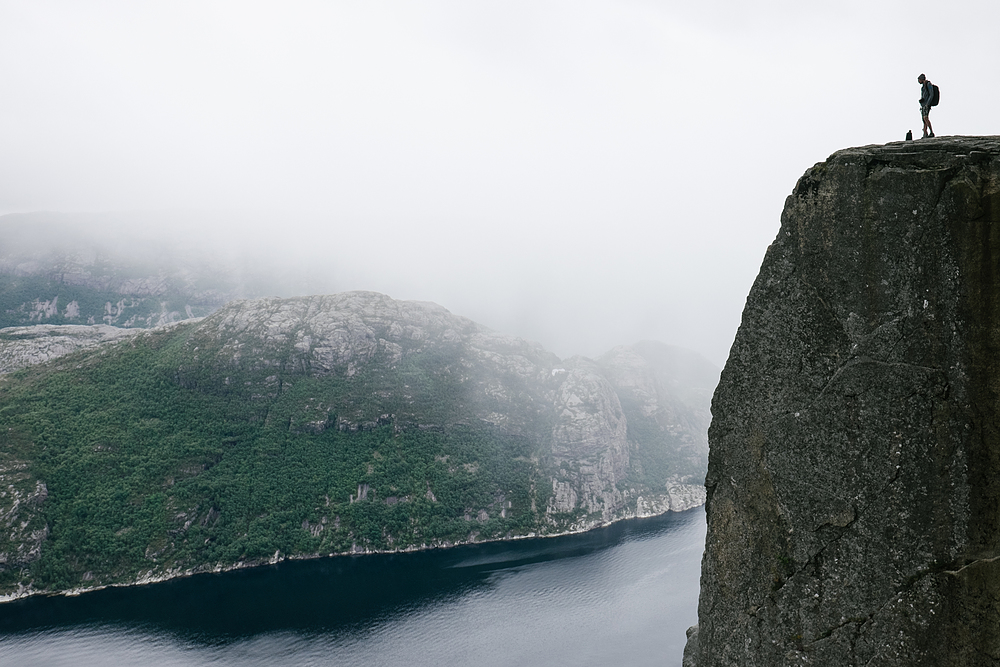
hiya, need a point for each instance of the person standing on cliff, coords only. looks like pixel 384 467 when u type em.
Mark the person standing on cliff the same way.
pixel 926 96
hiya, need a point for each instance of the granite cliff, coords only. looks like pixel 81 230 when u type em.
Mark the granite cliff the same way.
pixel 854 468
pixel 298 427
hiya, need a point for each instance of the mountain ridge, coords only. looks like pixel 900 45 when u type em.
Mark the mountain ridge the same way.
pixel 308 426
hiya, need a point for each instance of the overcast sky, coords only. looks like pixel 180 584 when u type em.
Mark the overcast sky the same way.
pixel 580 173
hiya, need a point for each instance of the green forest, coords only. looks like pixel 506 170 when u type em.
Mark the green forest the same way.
pixel 191 448
pixel 142 470
pixel 19 295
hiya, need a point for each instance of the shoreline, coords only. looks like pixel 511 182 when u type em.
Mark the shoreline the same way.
pixel 27 592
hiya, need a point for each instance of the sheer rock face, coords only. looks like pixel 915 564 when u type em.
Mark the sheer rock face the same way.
pixel 589 442
pixel 22 526
pixel 667 385
pixel 854 472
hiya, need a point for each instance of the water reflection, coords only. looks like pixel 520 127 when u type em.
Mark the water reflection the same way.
pixel 629 589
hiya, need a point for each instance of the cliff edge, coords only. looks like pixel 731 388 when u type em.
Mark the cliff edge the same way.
pixel 854 468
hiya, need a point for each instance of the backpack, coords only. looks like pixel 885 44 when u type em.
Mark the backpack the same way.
pixel 935 95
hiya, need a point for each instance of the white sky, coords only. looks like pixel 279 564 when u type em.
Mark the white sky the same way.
pixel 583 173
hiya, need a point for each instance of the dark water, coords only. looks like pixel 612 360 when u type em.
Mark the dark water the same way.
pixel 620 595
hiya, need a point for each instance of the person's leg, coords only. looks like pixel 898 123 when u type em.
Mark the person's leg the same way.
pixel 927 122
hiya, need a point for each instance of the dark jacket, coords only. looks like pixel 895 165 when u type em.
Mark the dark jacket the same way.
pixel 926 94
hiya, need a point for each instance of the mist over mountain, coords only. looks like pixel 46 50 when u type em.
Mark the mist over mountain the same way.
pixel 105 269
pixel 132 269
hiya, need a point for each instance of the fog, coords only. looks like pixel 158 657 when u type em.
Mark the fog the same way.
pixel 583 174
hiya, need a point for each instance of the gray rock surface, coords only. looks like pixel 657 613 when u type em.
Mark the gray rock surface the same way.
pixel 670 386
pixel 21 347
pixel 690 658
pixel 22 525
pixel 589 442
pixel 504 380
pixel 854 474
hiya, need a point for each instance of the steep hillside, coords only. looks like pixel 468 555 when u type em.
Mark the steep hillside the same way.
pixel 854 488
pixel 347 423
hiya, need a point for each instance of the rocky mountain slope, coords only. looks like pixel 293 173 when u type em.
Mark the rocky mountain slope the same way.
pixel 281 428
pixel 853 481
pixel 21 347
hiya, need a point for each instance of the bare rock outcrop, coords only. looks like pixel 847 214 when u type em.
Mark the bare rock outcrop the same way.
pixel 496 378
pixel 853 484
pixel 22 525
pixel 499 379
pixel 589 442
pixel 21 347
pixel 670 387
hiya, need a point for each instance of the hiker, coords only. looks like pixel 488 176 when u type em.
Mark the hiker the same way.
pixel 926 97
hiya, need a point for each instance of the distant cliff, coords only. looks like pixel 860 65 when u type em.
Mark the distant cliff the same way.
pixel 854 471
pixel 64 269
pixel 297 427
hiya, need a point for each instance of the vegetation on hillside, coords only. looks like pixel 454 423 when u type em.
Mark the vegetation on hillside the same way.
pixel 24 301
pixel 189 448
pixel 145 472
